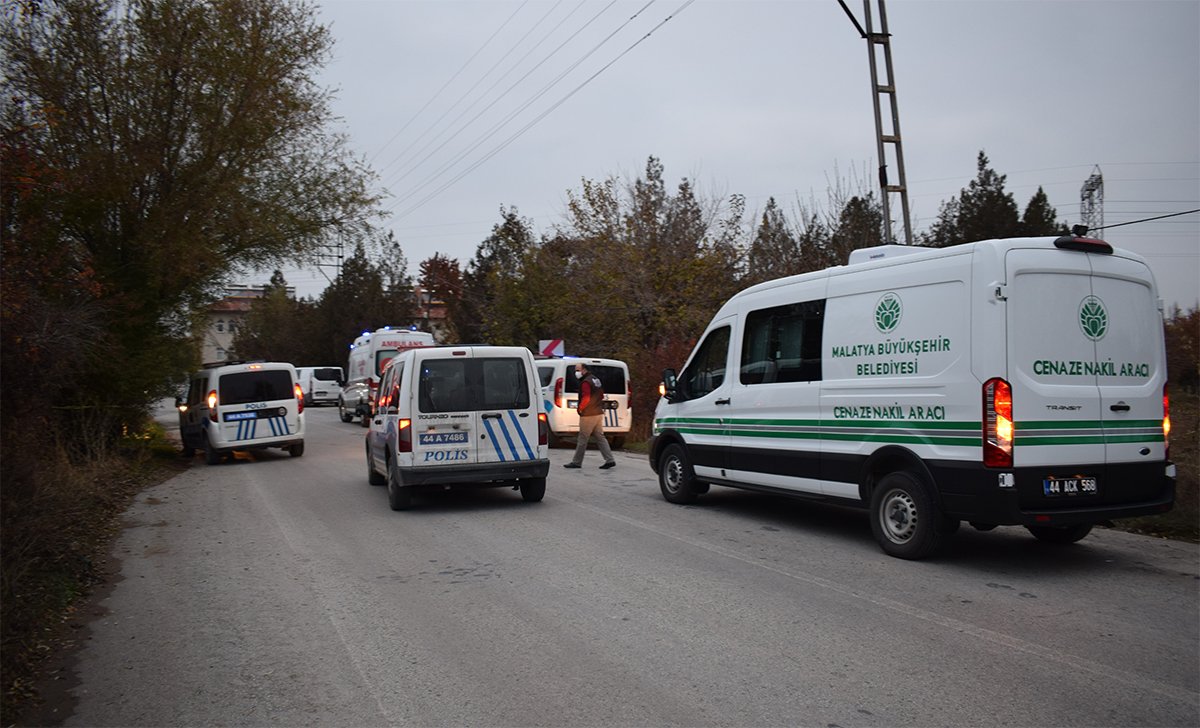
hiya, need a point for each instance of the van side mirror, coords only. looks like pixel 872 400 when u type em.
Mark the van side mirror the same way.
pixel 669 385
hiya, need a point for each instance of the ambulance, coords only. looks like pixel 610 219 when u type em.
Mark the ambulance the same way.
pixel 1003 382
pixel 370 354
pixel 458 416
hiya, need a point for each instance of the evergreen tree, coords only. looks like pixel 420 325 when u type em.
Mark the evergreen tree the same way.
pixel 1040 218
pixel 982 211
pixel 774 252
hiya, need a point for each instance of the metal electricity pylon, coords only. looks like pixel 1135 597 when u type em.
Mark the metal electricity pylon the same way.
pixel 879 43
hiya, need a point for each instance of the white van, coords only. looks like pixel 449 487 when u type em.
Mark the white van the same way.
pixel 1004 382
pixel 320 385
pixel 242 406
pixel 458 416
pixel 560 396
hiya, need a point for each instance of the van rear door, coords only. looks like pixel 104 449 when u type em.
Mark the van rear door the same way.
pixel 445 427
pixel 1052 362
pixel 506 412
pixel 1128 332
pixel 257 403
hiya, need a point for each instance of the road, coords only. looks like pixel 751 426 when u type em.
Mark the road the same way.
pixel 283 591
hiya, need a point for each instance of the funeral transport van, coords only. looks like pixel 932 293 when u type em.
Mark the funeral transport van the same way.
pixel 458 416
pixel 1004 382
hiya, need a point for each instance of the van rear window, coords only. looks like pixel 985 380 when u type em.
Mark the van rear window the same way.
pixel 247 387
pixel 326 374
pixel 611 378
pixel 462 385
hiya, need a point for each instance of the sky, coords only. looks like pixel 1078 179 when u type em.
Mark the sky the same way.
pixel 465 107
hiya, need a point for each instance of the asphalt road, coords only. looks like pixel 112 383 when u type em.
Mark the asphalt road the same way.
pixel 282 591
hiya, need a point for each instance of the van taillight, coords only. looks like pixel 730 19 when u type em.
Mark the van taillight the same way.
pixel 211 399
pixel 404 435
pixel 1166 424
pixel 299 398
pixel 543 429
pixel 997 424
pixel 558 389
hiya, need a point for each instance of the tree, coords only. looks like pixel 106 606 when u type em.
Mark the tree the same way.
pixel 441 281
pixel 269 330
pixel 1040 218
pixel 491 305
pixel 774 252
pixel 176 144
pixel 982 211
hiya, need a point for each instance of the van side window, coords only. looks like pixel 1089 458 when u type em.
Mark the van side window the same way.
pixel 706 371
pixel 783 344
pixel 393 392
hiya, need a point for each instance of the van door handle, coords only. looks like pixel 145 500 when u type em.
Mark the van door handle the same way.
pixel 1119 407
pixel 722 401
pixel 492 416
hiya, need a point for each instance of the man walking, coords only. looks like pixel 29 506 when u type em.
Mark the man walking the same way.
pixel 591 418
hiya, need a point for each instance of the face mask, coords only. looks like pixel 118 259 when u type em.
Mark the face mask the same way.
pixel 578 374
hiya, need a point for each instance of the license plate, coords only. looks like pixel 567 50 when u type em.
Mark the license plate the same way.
pixel 441 438
pixel 261 414
pixel 1075 485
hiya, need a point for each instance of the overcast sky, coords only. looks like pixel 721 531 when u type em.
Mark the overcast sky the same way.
pixel 464 107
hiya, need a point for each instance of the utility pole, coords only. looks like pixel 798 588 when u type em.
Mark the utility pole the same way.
pixel 331 256
pixel 880 92
pixel 1091 201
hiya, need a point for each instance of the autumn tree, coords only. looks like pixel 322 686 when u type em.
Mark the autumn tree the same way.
pixel 441 281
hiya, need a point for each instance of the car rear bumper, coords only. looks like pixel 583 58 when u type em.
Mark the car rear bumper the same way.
pixel 483 474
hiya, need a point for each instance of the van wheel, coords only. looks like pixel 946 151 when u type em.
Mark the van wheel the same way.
pixel 342 412
pixel 904 517
pixel 211 456
pixel 366 419
pixel 373 476
pixel 618 443
pixel 1060 534
pixel 399 496
pixel 296 450
pixel 533 489
pixel 676 477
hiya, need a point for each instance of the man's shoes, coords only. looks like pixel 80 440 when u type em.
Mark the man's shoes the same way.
pixel 571 465
pixel 606 466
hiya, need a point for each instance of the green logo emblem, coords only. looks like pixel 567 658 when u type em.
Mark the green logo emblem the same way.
pixel 887 313
pixel 1093 319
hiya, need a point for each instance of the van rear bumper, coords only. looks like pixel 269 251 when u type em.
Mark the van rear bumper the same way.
pixel 974 494
pixel 483 474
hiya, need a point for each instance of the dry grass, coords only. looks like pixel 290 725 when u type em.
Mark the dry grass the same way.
pixel 60 516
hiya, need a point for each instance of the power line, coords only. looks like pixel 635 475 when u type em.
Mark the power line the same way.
pixel 451 80
pixel 529 102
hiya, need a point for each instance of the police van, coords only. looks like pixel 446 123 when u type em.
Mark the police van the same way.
pixel 240 406
pixel 1003 382
pixel 560 397
pixel 458 416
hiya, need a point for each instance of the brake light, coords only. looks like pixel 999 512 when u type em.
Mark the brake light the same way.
pixel 404 435
pixel 543 429
pixel 211 399
pixel 558 390
pixel 1166 423
pixel 299 398
pixel 997 424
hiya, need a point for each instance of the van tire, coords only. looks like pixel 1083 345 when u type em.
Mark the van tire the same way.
pixel 676 478
pixel 1060 534
pixel 211 456
pixel 533 489
pixel 618 443
pixel 905 518
pixel 296 450
pixel 399 496
pixel 342 412
pixel 373 476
